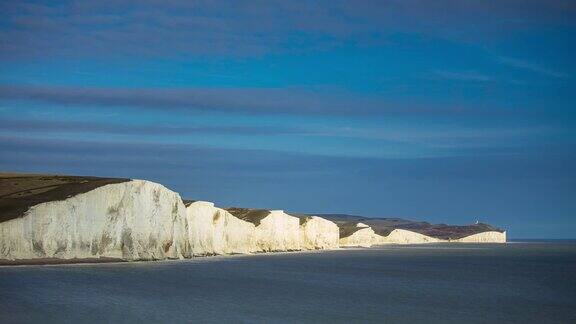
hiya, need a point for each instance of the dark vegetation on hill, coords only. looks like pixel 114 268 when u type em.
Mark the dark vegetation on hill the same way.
pixel 19 192
pixel 347 229
pixel 188 202
pixel 303 217
pixel 384 226
pixel 251 215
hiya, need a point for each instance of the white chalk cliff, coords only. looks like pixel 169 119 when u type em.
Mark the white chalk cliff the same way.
pixel 278 232
pixel 213 230
pixel 485 237
pixel 401 236
pixel 363 236
pixel 134 220
pixel 319 234
pixel 142 220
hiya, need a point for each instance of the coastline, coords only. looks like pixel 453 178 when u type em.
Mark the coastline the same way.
pixel 96 261
pixel 99 225
pixel 47 262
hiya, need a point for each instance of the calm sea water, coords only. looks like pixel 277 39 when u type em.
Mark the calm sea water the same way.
pixel 531 282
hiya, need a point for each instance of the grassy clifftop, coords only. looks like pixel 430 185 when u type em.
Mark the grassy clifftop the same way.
pixel 19 192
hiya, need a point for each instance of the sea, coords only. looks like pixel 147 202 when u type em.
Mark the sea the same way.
pixel 517 282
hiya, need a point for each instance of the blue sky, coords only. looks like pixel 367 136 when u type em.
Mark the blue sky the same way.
pixel 447 111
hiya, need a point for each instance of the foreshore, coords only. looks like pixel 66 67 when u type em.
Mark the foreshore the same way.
pixel 203 258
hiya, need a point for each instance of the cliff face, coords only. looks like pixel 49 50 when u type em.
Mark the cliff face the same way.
pixel 213 230
pixel 317 233
pixel 133 220
pixel 485 237
pixel 362 236
pixel 400 236
pixel 402 231
pixel 278 232
pixel 19 192
pixel 69 217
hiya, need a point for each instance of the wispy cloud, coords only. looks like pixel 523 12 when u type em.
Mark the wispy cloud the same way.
pixel 399 143
pixel 530 66
pixel 149 156
pixel 63 127
pixel 238 100
pixel 174 28
pixel 471 76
